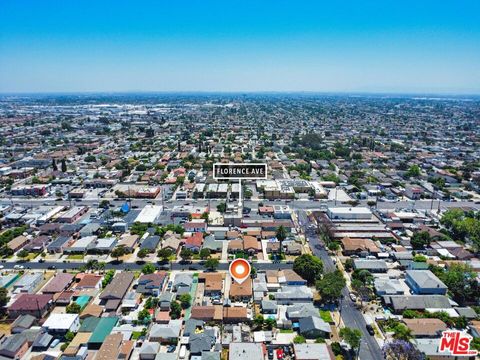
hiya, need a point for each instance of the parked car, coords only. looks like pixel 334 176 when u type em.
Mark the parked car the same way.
pixel 279 354
pixel 270 354
pixel 54 343
pixel 370 329
pixel 353 297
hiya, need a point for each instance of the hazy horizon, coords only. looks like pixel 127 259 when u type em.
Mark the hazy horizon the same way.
pixel 350 47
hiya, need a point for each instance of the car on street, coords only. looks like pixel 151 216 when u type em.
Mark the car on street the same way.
pixel 370 329
pixel 280 354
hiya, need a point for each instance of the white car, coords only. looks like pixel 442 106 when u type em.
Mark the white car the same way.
pixel 353 297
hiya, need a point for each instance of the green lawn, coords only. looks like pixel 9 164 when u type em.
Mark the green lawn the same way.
pixel 75 257
pixel 31 256
pixel 326 316
pixel 286 331
pixel 136 335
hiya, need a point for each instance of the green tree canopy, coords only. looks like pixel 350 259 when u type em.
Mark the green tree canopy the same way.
pixel 351 336
pixel 308 267
pixel 331 285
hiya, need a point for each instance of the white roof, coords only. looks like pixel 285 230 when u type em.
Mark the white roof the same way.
pixel 83 242
pixel 60 321
pixel 149 214
pixel 350 210
pixel 312 351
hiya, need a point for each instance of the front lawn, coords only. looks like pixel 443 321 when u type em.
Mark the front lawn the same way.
pixel 326 316
pixel 75 257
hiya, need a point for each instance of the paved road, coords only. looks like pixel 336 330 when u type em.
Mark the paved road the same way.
pixel 297 204
pixel 73 265
pixel 352 317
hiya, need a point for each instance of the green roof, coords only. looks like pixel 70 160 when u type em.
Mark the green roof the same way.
pixel 89 324
pixel 103 329
pixel 417 265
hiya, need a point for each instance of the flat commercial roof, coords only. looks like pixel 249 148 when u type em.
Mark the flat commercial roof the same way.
pixel 149 214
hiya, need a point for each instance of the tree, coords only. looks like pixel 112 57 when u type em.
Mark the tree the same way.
pixel 308 267
pixel 222 207
pixel 420 240
pixel 186 254
pixel 164 254
pixel 420 258
pixel 363 275
pixel 144 315
pixel 90 158
pixel 352 337
pixel 269 323
pixel 69 336
pixel 118 252
pixel 64 165
pixel 331 285
pixel 185 300
pixel 348 264
pixel 401 350
pixel 211 264
pixel 281 235
pixel 179 181
pixel 413 171
pixel 461 282
pixel 22 254
pixel 73 308
pixel 4 298
pixel 104 204
pixel 205 253
pixel 205 216
pixel 151 303
pixel 175 310
pixel 299 339
pixel 143 253
pixel 148 269
pixel 402 332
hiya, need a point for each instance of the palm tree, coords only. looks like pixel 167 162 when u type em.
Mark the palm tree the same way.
pixel 281 236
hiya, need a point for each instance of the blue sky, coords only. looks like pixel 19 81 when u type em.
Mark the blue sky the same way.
pixel 347 46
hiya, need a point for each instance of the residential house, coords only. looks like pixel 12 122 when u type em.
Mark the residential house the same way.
pixel 293 294
pixel 194 242
pixel 36 305
pixel 116 290
pixel 166 333
pixel 242 351
pixel 425 282
pixel 313 327
pixel 151 284
pixel 313 352
pixel 241 292
pixel 57 284
pixel 425 328
pixel 182 283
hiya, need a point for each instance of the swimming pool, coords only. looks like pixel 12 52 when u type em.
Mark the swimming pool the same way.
pixel 83 300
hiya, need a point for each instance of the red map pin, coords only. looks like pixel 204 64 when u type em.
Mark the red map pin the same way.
pixel 240 270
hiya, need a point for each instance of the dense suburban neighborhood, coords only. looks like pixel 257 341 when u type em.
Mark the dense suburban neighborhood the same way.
pixel 116 237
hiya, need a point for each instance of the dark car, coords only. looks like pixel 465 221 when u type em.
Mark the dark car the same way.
pixel 270 354
pixel 370 329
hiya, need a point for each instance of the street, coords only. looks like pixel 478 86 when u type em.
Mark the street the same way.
pixel 294 204
pixel 352 317
pixel 73 265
